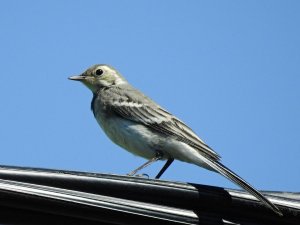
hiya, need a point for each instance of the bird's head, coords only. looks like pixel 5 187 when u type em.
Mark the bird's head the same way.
pixel 99 76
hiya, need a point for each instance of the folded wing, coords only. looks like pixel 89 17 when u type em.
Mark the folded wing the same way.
pixel 133 105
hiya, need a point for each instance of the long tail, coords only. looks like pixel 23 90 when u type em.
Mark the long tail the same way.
pixel 220 168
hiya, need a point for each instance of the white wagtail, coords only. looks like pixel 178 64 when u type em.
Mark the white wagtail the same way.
pixel 139 125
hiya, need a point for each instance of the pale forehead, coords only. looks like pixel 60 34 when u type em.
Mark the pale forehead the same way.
pixel 100 66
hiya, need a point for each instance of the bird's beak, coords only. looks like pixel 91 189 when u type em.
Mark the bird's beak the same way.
pixel 78 78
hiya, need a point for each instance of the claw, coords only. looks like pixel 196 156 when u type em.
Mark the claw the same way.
pixel 143 175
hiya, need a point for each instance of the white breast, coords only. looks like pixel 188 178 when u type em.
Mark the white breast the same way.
pixel 135 138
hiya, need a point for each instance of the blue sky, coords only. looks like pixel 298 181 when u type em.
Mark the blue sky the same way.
pixel 229 69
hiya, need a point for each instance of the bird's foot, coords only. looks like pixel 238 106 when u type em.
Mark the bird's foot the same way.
pixel 143 175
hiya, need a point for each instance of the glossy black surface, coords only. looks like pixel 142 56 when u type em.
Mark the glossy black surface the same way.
pixel 43 196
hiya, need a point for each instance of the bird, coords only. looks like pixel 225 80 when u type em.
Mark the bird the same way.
pixel 144 128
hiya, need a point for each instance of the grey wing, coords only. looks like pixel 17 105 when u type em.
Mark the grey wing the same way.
pixel 135 106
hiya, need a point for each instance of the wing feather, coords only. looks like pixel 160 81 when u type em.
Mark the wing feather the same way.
pixel 139 108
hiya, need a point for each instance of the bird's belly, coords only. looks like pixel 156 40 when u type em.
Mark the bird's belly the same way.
pixel 134 137
pixel 142 141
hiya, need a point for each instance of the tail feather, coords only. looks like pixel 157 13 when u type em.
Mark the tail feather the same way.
pixel 226 172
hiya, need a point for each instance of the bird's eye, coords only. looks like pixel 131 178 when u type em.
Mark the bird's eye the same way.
pixel 99 72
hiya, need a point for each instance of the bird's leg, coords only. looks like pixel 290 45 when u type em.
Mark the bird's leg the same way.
pixel 165 167
pixel 158 156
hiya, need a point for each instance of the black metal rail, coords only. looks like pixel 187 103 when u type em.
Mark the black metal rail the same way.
pixel 43 196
